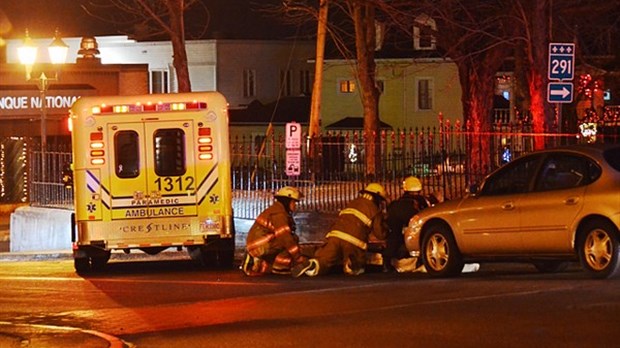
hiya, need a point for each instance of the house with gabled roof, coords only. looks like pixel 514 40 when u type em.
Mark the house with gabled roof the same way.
pixel 416 81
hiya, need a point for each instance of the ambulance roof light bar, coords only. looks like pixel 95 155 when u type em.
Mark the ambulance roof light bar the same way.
pixel 148 107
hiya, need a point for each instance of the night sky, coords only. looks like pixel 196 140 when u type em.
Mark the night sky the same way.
pixel 229 19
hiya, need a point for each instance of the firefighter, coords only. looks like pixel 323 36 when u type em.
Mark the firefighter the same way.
pixel 346 243
pixel 272 245
pixel 399 212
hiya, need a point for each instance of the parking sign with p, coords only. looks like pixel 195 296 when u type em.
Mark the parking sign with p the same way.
pixel 293 135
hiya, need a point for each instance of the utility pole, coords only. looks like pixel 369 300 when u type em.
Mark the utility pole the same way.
pixel 315 106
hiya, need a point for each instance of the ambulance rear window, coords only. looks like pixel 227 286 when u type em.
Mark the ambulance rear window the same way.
pixel 169 146
pixel 127 154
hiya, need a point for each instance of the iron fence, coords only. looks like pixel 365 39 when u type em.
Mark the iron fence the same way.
pixel 332 167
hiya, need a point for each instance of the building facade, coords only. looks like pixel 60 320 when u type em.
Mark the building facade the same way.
pixel 413 92
pixel 245 71
pixel 21 109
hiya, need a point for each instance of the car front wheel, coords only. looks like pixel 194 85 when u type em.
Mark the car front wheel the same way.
pixel 439 252
pixel 599 250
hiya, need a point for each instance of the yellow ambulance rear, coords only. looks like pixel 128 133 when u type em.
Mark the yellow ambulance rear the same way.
pixel 151 172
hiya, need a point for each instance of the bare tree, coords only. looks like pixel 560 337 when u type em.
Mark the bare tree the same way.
pixel 534 16
pixel 473 35
pixel 363 15
pixel 359 15
pixel 154 19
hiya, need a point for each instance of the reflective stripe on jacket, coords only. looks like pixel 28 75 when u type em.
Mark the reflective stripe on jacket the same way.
pixel 359 219
pixel 273 228
pixel 348 238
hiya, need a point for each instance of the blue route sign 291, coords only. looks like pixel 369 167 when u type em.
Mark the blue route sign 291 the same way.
pixel 561 61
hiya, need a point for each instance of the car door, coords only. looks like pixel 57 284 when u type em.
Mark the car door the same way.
pixel 489 221
pixel 551 208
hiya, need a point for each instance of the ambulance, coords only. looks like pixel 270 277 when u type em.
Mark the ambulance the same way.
pixel 151 172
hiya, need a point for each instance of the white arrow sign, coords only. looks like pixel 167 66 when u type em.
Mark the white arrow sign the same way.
pixel 560 92
pixel 564 92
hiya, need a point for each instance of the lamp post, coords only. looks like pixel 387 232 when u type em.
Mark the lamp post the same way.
pixel 27 56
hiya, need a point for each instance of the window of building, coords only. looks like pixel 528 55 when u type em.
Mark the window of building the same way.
pixel 305 82
pixel 346 86
pixel 425 94
pixel 286 83
pixel 126 154
pixel 423 33
pixel 249 83
pixel 169 152
pixel 160 81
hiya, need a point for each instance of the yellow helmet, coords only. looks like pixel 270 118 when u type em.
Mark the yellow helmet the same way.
pixel 412 184
pixel 289 192
pixel 376 189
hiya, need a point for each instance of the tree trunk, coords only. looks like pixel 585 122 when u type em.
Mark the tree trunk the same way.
pixel 478 88
pixel 364 20
pixel 542 113
pixel 177 36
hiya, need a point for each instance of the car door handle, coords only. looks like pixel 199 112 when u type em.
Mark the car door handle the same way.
pixel 571 200
pixel 508 206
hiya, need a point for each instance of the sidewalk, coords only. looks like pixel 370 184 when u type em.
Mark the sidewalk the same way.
pixel 311 228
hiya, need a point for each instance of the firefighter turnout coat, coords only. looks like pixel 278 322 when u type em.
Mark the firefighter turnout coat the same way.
pixel 347 240
pixel 272 239
pixel 399 212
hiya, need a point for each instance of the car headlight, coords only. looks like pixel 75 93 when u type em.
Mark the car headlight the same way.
pixel 412 235
pixel 415 224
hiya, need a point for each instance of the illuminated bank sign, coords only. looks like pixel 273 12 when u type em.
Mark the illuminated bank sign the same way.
pixel 15 103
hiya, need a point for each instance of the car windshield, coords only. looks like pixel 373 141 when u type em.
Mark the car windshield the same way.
pixel 612 156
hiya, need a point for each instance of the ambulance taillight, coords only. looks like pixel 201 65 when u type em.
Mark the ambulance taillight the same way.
pixel 97 152
pixel 205 144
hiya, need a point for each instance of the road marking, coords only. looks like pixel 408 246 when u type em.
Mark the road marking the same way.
pixel 146 281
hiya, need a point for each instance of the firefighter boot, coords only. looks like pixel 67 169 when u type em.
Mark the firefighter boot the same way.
pixel 251 266
pixel 309 267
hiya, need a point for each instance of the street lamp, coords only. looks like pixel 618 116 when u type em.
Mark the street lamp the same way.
pixel 27 56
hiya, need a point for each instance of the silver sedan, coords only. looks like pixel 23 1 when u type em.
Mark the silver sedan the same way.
pixel 547 208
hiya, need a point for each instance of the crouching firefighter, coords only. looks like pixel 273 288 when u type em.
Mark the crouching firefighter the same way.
pixel 399 212
pixel 346 243
pixel 272 245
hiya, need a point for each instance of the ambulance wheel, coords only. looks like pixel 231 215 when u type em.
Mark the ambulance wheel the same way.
pixel 98 263
pixel 195 254
pixel 202 255
pixel 226 254
pixel 81 265
pixel 217 254
pixel 222 253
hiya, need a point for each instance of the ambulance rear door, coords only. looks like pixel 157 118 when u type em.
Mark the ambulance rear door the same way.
pixel 151 169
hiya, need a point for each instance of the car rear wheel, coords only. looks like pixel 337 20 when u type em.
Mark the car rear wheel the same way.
pixel 440 254
pixel 599 250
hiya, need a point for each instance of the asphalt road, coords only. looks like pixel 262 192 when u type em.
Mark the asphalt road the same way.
pixel 177 304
